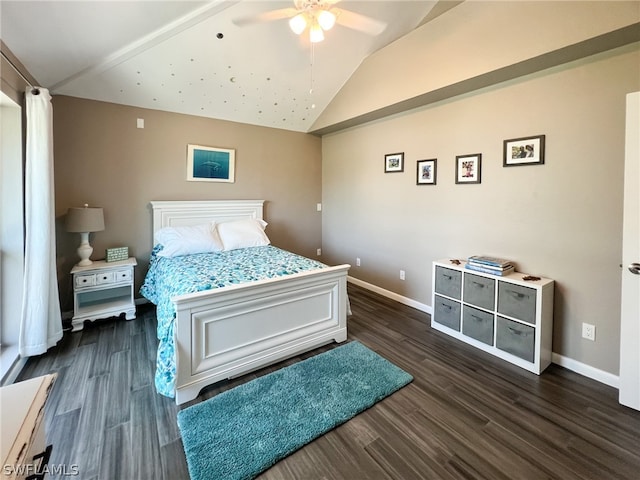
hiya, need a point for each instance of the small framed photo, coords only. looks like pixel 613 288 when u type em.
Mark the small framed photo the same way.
pixel 426 172
pixel 468 168
pixel 210 164
pixel 524 151
pixel 394 162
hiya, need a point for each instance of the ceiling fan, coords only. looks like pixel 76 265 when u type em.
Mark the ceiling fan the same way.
pixel 319 16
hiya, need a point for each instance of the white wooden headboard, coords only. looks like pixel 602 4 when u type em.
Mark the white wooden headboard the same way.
pixel 194 212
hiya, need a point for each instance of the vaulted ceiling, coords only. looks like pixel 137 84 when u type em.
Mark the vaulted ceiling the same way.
pixel 194 57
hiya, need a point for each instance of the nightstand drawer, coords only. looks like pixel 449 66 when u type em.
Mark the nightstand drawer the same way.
pixel 85 280
pixel 123 275
pixel 103 278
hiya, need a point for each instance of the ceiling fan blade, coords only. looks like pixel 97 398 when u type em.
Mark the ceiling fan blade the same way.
pixel 266 16
pixel 359 22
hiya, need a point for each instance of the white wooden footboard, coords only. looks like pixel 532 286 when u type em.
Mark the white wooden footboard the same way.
pixel 230 331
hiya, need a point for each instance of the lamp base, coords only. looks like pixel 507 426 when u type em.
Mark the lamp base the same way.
pixel 84 250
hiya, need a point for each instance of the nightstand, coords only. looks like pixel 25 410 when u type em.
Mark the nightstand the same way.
pixel 102 290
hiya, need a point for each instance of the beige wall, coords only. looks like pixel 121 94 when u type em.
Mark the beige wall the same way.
pixel 101 158
pixel 561 220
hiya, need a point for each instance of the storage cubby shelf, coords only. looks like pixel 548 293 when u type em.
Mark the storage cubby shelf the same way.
pixel 507 316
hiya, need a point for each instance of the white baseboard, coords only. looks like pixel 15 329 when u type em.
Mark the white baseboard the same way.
pixel 568 363
pixel 393 296
pixel 586 370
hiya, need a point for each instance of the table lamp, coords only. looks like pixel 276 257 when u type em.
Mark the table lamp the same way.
pixel 84 220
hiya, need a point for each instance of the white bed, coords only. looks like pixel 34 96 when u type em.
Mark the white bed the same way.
pixel 229 331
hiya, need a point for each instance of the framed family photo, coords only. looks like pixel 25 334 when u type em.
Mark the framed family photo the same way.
pixel 468 168
pixel 394 162
pixel 426 172
pixel 210 164
pixel 524 151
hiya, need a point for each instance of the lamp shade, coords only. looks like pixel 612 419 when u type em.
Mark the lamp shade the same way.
pixel 85 219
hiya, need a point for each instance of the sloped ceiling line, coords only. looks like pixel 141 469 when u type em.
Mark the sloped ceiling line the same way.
pixel 602 43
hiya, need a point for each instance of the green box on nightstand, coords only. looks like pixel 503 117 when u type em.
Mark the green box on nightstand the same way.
pixel 117 254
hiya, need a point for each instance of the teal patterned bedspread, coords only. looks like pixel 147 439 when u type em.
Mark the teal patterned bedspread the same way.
pixel 168 277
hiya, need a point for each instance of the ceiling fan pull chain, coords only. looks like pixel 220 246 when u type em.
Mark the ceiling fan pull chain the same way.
pixel 313 105
pixel 311 68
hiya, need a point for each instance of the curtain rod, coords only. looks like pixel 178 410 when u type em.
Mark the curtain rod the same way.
pixel 34 90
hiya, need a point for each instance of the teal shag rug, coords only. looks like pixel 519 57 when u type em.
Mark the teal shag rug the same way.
pixel 242 432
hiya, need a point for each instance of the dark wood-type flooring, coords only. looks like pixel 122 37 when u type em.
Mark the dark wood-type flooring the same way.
pixel 467 415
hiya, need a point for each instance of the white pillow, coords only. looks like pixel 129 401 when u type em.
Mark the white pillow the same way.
pixel 243 233
pixel 185 240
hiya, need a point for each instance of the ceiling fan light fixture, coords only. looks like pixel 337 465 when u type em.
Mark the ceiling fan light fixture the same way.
pixel 316 34
pixel 326 19
pixel 298 24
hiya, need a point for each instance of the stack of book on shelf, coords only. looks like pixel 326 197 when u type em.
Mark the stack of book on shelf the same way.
pixel 492 265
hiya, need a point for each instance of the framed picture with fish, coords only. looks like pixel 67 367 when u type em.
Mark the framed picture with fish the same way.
pixel 210 164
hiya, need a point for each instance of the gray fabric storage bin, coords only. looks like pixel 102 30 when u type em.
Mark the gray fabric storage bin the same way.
pixel 447 312
pixel 515 338
pixel 448 282
pixel 480 291
pixel 477 324
pixel 517 301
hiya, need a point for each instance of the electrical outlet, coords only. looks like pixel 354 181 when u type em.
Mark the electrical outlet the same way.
pixel 589 332
pixel 401 274
pixel 357 261
pixel 319 252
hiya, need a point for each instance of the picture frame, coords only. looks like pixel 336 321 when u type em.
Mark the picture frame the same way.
pixel 210 164
pixel 469 168
pixel 394 162
pixel 426 172
pixel 524 151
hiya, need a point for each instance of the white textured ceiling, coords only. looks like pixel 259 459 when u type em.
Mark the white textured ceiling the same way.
pixel 166 55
